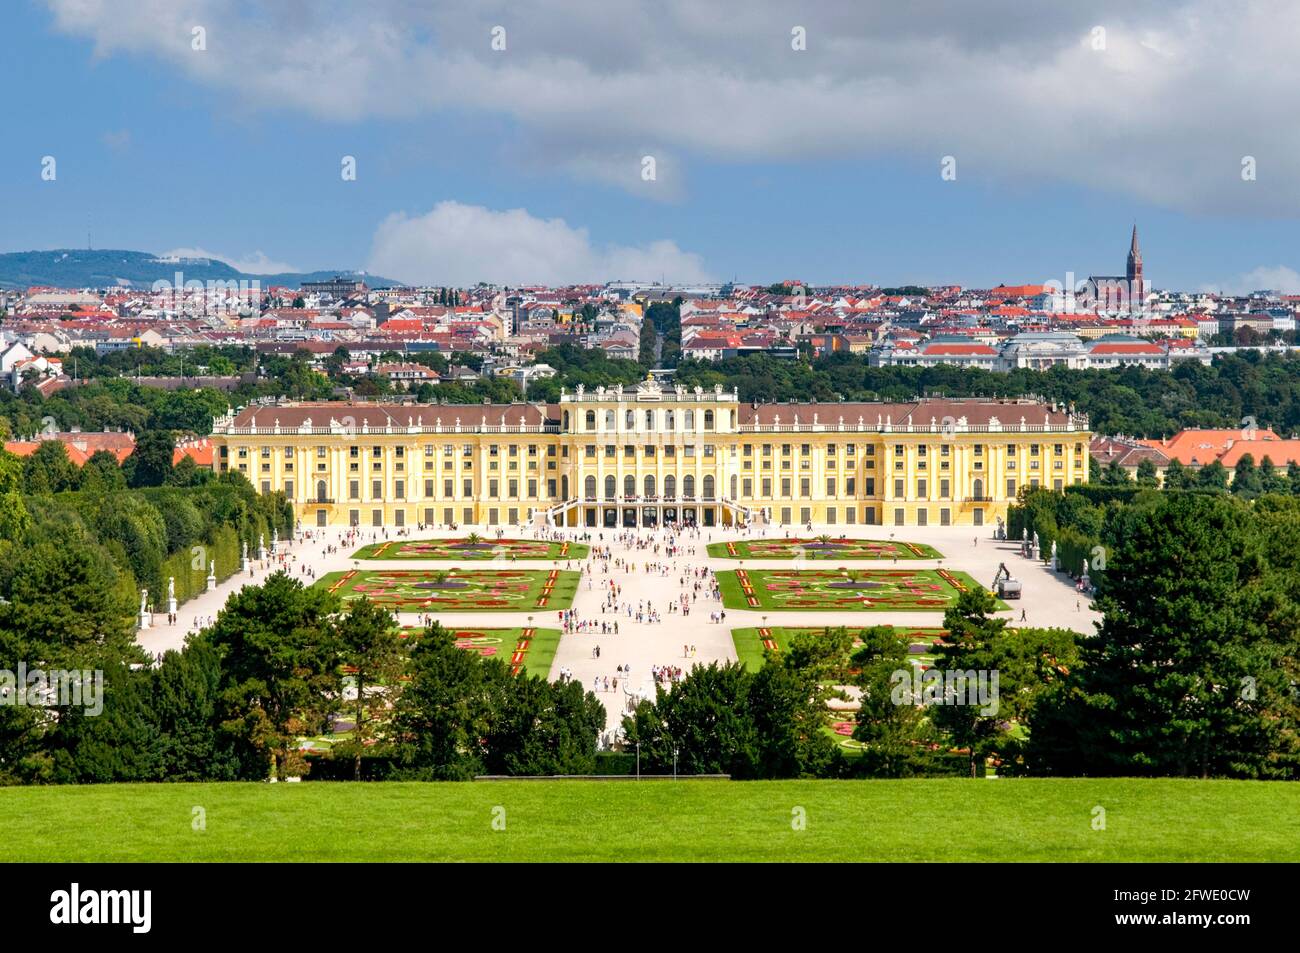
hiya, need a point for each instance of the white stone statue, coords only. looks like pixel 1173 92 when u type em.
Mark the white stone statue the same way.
pixel 171 588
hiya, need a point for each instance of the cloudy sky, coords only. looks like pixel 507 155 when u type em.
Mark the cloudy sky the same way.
pixel 600 139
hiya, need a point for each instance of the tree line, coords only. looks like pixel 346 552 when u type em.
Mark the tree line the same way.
pixel 281 662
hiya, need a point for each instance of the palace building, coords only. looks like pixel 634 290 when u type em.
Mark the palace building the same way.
pixel 651 455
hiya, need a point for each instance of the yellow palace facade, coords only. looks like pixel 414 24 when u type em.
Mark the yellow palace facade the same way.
pixel 650 455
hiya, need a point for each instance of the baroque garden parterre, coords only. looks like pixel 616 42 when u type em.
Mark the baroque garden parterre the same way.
pixel 845 590
pixel 479 590
pixel 471 547
pixel 822 547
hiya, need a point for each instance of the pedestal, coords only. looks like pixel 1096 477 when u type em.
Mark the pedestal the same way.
pixel 212 581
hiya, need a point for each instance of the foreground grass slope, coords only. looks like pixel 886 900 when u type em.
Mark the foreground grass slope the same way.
pixel 938 820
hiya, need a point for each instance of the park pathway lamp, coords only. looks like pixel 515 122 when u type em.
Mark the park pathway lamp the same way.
pixel 638 761
pixel 674 763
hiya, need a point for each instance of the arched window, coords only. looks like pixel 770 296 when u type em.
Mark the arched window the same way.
pixel 609 420
pixel 708 487
pixel 688 486
pixel 977 489
pixel 708 420
pixel 649 420
pixel 670 486
pixel 690 420
pixel 590 486
pixel 629 420
pixel 734 483
pixel 629 485
pixel 670 419
pixel 591 420
pixel 566 421
pixel 611 486
pixel 320 490
pixel 649 485
pixel 564 487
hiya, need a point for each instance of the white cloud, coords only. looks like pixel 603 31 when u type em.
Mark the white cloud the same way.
pixel 1181 92
pixel 255 264
pixel 1277 278
pixel 456 244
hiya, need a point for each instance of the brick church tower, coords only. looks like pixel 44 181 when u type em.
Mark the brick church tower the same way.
pixel 1134 271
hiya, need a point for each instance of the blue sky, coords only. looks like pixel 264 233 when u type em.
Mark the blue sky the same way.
pixel 158 149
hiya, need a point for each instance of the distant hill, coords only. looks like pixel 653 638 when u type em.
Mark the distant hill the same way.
pixel 82 268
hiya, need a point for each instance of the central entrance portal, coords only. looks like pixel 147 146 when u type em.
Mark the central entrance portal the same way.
pixel 649 516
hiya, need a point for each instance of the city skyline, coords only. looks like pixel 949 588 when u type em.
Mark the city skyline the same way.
pixel 237 150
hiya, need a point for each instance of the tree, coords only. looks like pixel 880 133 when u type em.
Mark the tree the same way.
pixel 150 464
pixel 1146 474
pixel 370 645
pixel 186 702
pixel 1115 475
pixel 544 729
pixel 14 518
pixel 1177 476
pixel 787 702
pixel 1185 676
pixel 102 473
pixel 704 720
pixel 970 650
pixel 1270 478
pixel 897 737
pixel 280 679
pixel 1213 476
pixel 48 469
pixel 1245 477
pixel 445 710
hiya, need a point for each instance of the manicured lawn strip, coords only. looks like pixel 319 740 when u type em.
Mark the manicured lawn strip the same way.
pixel 988 821
pixel 486 550
pixel 749 641
pixel 825 599
pixel 403 594
pixel 810 548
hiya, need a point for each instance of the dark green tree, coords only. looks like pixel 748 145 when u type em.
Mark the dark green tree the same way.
pixel 280 671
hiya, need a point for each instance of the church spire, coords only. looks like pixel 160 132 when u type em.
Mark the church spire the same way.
pixel 1134 271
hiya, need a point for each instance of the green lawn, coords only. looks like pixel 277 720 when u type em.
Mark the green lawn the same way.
pixel 925 820
pixel 862 590
pixel 458 590
pixel 483 549
pixel 749 642
pixel 815 548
